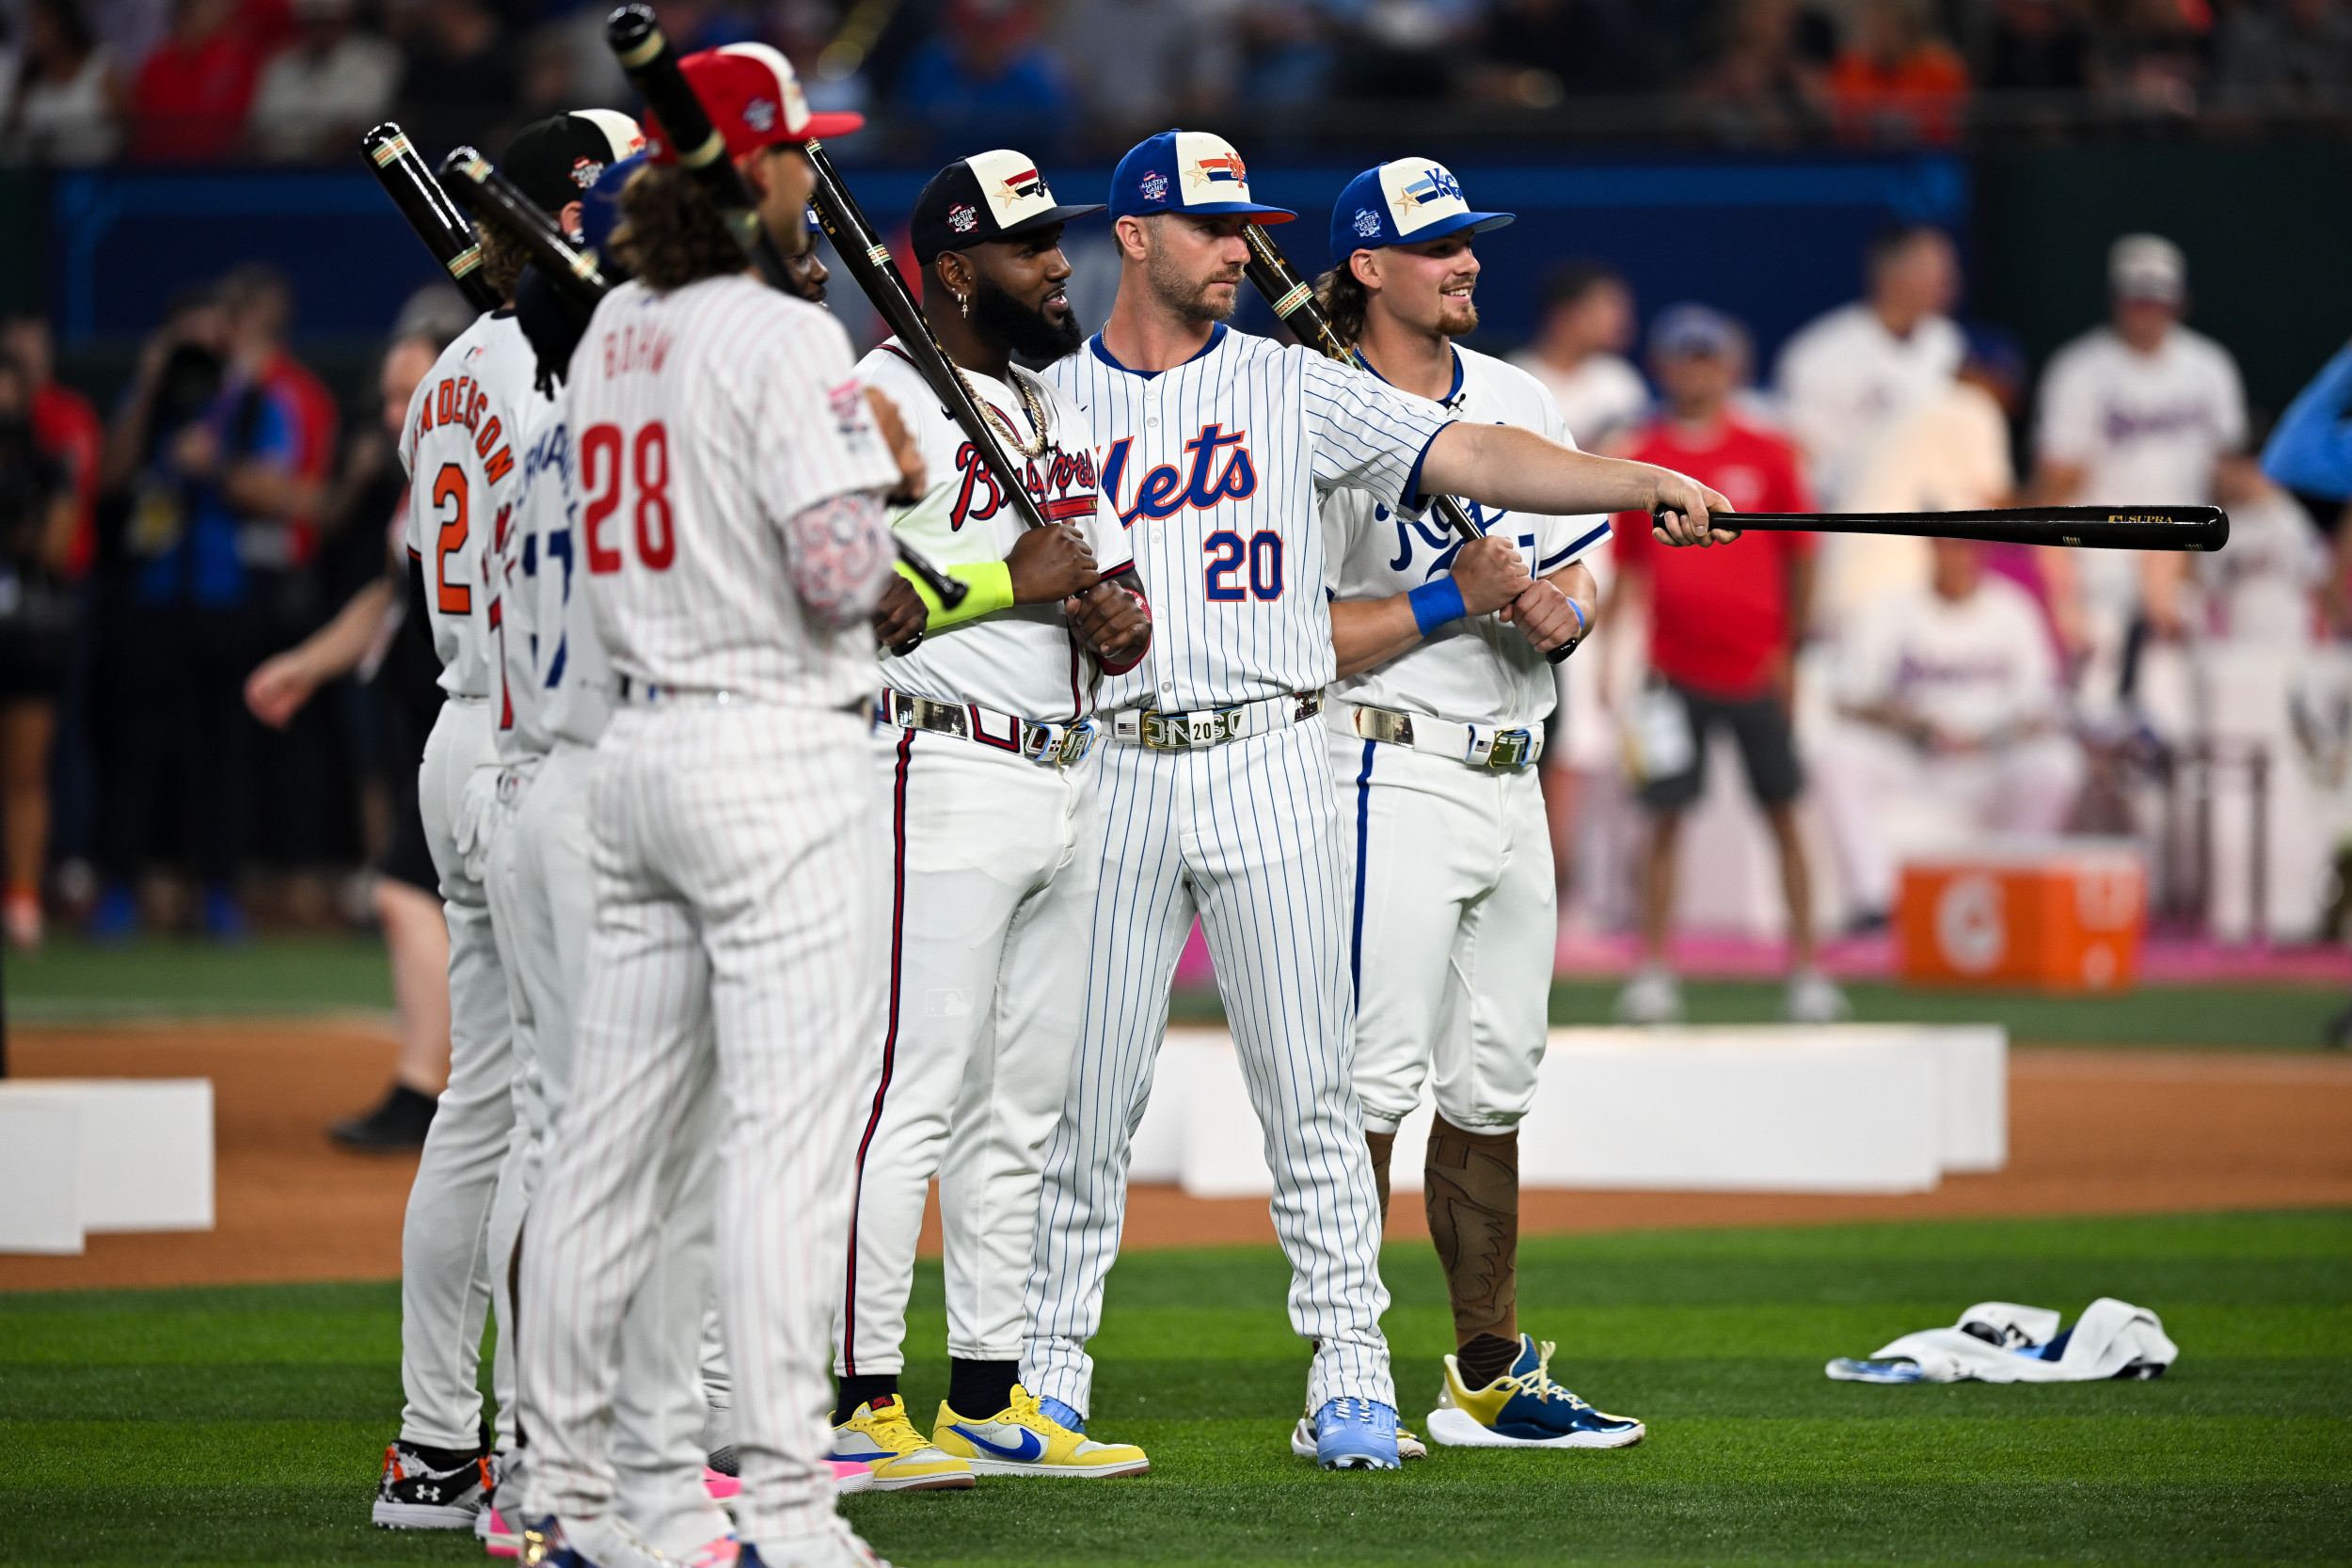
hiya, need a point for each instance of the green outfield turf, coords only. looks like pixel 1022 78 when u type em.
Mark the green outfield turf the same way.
pixel 73 982
pixel 246 1425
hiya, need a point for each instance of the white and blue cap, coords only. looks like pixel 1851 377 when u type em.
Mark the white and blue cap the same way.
pixel 1186 172
pixel 1404 202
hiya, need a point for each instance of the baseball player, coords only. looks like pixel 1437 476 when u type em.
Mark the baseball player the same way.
pixel 468 428
pixel 1436 725
pixel 987 758
pixel 1215 448
pixel 734 545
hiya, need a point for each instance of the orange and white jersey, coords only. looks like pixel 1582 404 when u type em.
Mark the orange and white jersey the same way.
pixel 703 422
pixel 462 444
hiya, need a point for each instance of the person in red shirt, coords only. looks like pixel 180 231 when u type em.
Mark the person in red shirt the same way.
pixel 65 425
pixel 1724 623
pixel 189 101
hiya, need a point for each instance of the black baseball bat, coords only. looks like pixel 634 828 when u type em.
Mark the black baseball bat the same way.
pixel 651 63
pixel 1293 301
pixel 429 211
pixel 2199 528
pixel 495 199
pixel 869 262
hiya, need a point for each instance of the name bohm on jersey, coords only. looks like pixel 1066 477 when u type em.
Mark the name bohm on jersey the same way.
pixel 1063 484
pixel 460 401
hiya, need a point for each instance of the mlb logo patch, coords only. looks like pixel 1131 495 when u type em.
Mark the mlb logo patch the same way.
pixel 760 115
pixel 1367 222
pixel 964 218
pixel 585 172
pixel 1154 186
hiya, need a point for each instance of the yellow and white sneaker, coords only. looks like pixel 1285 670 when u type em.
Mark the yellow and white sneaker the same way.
pixel 1023 1439
pixel 902 1459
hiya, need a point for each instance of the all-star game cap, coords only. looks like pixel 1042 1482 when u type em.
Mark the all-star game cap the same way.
pixel 753 99
pixel 1404 202
pixel 989 195
pixel 554 161
pixel 1186 172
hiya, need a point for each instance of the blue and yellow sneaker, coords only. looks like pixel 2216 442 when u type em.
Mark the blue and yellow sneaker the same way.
pixel 1524 1409
pixel 1027 1439
pixel 1356 1435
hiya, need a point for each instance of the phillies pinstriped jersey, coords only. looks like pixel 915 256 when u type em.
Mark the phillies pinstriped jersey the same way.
pixel 703 422
pixel 462 445
pixel 1021 659
pixel 1216 470
pixel 559 683
pixel 1475 670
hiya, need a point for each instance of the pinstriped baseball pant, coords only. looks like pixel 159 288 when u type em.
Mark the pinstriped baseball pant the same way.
pixel 1249 837
pixel 737 950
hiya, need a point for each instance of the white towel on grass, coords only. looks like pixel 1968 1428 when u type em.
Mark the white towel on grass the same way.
pixel 1999 1341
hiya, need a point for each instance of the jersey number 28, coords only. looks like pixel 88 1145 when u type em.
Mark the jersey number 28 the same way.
pixel 601 448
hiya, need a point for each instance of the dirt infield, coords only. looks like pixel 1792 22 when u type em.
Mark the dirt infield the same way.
pixel 2092 1132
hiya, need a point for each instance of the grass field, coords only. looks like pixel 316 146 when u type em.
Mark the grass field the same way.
pixel 245 1425
pixel 75 983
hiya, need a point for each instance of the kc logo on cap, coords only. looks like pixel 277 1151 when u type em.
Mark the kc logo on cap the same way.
pixel 1404 202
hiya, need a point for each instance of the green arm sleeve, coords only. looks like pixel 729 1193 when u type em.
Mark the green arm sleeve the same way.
pixel 990 589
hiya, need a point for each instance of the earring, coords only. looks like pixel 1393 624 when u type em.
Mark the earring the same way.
pixel 964 303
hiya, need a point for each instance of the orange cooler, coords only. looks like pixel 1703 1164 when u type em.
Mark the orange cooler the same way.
pixel 2064 915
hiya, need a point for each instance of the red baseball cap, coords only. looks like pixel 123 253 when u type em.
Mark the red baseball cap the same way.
pixel 753 99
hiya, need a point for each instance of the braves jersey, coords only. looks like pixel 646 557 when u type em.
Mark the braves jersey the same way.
pixel 1474 669
pixel 1215 470
pixel 462 442
pixel 559 685
pixel 703 422
pixel 1021 659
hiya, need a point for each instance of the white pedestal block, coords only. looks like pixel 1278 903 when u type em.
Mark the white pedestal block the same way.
pixel 41 1191
pixel 1772 1108
pixel 144 1158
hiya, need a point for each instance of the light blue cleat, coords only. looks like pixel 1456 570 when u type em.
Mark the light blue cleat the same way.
pixel 1356 1435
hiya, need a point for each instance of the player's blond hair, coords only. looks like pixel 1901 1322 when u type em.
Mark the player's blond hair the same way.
pixel 671 234
pixel 1345 299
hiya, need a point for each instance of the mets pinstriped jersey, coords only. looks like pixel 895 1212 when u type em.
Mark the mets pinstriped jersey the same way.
pixel 703 420
pixel 1214 469
pixel 559 683
pixel 1023 659
pixel 1475 670
pixel 462 445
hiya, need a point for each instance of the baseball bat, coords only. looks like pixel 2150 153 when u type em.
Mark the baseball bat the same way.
pixel 1293 301
pixel 651 64
pixel 2199 528
pixel 429 211
pixel 869 262
pixel 496 201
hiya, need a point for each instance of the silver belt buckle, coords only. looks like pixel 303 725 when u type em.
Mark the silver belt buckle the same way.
pixel 1510 748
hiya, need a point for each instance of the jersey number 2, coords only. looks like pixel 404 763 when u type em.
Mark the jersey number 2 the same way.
pixel 1263 552
pixel 454 598
pixel 601 473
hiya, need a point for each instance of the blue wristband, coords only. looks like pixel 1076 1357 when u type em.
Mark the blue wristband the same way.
pixel 1580 616
pixel 1437 602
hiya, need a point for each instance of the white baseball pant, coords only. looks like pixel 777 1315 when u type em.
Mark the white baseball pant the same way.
pixel 738 951
pixel 1247 835
pixel 444 1244
pixel 542 889
pixel 993 908
pixel 1453 931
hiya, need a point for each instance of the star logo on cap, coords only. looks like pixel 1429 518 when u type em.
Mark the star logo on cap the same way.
pixel 1028 182
pixel 1227 170
pixel 1434 184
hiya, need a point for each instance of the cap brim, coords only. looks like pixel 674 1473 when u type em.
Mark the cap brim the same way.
pixel 1475 223
pixel 821 126
pixel 1226 209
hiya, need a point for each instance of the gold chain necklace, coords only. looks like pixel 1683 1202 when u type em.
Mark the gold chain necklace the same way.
pixel 1030 404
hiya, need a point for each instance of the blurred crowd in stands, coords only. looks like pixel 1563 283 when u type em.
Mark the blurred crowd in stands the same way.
pixel 154 556
pixel 92 81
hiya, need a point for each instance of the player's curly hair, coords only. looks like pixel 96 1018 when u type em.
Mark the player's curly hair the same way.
pixel 671 234
pixel 1344 299
pixel 503 259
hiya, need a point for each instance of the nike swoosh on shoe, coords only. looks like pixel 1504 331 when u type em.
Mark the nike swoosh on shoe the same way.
pixel 1032 1446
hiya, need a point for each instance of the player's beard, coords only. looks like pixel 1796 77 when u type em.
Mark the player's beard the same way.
pixel 1027 330
pixel 1456 318
pixel 1187 297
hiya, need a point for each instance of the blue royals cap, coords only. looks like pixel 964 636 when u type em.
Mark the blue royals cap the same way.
pixel 1185 171
pixel 1404 202
pixel 600 205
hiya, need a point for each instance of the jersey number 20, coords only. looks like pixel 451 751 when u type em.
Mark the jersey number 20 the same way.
pixel 600 450
pixel 1263 552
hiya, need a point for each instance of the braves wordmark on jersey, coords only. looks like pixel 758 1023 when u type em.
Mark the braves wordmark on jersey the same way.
pixel 469 422
pixel 1474 669
pixel 705 420
pixel 1215 469
pixel 1023 659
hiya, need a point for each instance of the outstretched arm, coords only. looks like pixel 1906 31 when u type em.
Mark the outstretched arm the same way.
pixel 1503 466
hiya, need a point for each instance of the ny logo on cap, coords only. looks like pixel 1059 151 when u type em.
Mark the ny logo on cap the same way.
pixel 1226 171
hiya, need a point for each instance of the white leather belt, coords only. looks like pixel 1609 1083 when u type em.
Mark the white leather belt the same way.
pixel 1475 745
pixel 1048 745
pixel 1181 732
pixel 639 693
